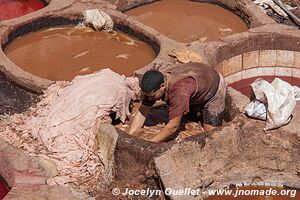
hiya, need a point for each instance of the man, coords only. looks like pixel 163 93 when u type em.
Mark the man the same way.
pixel 186 86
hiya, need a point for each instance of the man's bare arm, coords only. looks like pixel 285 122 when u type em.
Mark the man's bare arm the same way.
pixel 139 118
pixel 168 130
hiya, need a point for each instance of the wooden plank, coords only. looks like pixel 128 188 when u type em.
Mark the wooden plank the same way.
pixel 288 12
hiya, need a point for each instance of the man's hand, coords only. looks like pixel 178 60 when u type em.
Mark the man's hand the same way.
pixel 139 118
pixel 168 130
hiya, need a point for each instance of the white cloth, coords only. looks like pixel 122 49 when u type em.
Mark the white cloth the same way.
pixel 274 102
pixel 99 20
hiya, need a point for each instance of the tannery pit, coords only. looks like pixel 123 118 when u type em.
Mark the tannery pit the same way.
pixel 67 52
pixel 188 21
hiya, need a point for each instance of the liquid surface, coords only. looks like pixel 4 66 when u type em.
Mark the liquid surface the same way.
pixel 15 8
pixel 291 194
pixel 62 53
pixel 187 21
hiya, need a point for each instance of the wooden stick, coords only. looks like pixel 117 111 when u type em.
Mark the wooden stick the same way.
pixel 292 16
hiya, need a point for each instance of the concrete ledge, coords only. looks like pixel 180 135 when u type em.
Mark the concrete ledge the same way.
pixel 234 154
pixel 25 177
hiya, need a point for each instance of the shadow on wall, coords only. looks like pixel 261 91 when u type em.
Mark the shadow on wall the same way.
pixel 4 189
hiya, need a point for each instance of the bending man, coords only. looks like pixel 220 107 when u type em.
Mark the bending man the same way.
pixel 192 86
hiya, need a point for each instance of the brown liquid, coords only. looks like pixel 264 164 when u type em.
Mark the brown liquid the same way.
pixel 187 21
pixel 290 195
pixel 62 53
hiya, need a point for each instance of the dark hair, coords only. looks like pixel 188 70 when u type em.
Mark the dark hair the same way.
pixel 151 81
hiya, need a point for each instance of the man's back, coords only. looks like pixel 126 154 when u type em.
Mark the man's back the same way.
pixel 206 80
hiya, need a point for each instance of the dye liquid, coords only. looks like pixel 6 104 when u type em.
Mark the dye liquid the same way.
pixel 15 8
pixel 279 194
pixel 187 21
pixel 64 52
pixel 3 189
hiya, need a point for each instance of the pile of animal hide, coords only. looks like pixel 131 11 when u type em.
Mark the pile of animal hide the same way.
pixel 62 129
pixel 185 55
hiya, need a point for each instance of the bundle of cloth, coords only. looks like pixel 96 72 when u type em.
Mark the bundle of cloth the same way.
pixel 274 102
pixel 64 124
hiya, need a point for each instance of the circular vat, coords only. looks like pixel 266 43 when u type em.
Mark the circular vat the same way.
pixel 260 56
pixel 255 192
pixel 266 56
pixel 55 49
pixel 15 8
pixel 188 21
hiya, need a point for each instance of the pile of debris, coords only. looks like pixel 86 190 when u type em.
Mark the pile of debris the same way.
pixel 281 12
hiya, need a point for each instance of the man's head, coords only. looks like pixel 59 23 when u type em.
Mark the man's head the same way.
pixel 153 85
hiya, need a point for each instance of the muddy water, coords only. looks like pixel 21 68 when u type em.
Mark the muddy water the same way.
pixel 14 8
pixel 187 21
pixel 64 52
pixel 291 195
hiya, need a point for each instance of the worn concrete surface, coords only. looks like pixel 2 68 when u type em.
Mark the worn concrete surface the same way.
pixel 240 152
pixel 293 126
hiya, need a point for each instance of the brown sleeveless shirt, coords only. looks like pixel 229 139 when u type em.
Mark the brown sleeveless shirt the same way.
pixel 207 80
